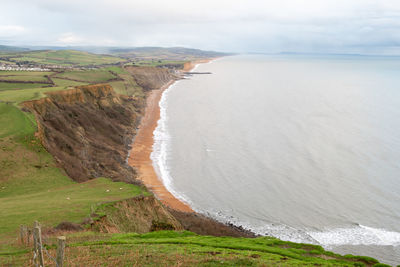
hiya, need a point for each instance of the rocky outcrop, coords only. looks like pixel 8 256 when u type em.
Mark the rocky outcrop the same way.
pixel 145 213
pixel 150 78
pixel 140 215
pixel 203 225
pixel 88 130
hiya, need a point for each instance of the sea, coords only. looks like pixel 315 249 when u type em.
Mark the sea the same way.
pixel 305 148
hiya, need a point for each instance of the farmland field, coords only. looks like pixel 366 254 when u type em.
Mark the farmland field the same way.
pixel 87 76
pixel 64 58
pixel 39 76
pixel 13 86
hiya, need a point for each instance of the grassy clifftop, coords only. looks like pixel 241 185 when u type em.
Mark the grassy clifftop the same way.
pixel 171 248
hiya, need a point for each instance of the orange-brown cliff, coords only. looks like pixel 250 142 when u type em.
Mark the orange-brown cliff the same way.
pixel 88 130
pixel 150 78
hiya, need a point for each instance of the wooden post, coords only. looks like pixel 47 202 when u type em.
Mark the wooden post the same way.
pixel 60 251
pixel 22 233
pixel 38 238
pixel 35 246
pixel 35 224
pixel 28 236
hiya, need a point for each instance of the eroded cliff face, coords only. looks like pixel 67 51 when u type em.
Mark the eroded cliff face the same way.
pixel 88 130
pixel 145 213
pixel 140 215
pixel 150 78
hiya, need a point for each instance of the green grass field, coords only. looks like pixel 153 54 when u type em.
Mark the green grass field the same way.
pixel 14 122
pixel 67 83
pixel 19 92
pixel 16 86
pixel 62 200
pixel 92 76
pixel 24 78
pixel 36 76
pixel 117 70
pixel 19 96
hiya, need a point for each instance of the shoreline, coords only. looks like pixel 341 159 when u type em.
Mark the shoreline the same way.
pixel 142 147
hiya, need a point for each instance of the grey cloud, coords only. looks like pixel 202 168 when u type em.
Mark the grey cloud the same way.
pixel 264 26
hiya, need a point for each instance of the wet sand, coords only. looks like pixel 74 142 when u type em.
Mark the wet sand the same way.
pixel 143 146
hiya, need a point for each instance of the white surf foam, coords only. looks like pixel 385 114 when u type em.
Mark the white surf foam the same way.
pixel 357 235
pixel 354 235
pixel 263 228
pixel 161 146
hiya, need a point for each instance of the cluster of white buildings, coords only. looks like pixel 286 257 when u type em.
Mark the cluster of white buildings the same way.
pixel 18 68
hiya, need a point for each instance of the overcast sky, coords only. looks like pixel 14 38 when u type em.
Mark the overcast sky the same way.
pixel 338 26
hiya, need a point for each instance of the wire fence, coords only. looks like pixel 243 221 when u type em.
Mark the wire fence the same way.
pixel 39 248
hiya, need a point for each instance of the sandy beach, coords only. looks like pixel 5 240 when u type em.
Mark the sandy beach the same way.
pixel 143 146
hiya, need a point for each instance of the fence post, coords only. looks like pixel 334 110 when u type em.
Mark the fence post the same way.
pixel 35 248
pixel 28 236
pixel 38 243
pixel 22 233
pixel 60 251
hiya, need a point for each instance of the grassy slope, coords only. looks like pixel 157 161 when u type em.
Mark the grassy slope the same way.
pixel 168 248
pixel 18 96
pixel 128 85
pixel 31 185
